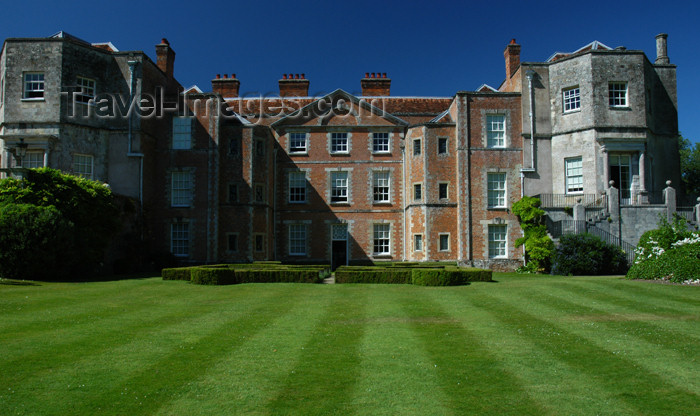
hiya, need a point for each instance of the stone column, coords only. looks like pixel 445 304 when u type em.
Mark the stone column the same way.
pixel 579 217
pixel 606 167
pixel 643 195
pixel 697 212
pixel 670 201
pixel 613 202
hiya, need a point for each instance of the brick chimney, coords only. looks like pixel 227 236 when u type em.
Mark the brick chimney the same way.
pixel 294 85
pixel 375 84
pixel 661 49
pixel 166 57
pixel 227 87
pixel 512 55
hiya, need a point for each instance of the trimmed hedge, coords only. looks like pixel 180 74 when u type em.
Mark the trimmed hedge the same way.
pixel 434 275
pixel 228 274
pixel 360 274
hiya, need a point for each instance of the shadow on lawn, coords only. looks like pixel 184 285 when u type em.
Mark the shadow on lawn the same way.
pixel 10 282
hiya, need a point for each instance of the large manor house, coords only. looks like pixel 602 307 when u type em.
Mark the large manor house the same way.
pixel 342 178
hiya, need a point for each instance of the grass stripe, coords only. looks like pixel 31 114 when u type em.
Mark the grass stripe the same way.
pixel 479 374
pixel 647 393
pixel 324 376
pixel 397 376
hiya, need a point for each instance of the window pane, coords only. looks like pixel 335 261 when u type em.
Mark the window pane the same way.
pixel 297 239
pixel 82 165
pixel 339 187
pixel 497 240
pixel 181 189
pixel 574 175
pixel 495 130
pixel 297 142
pixel 381 186
pixel 297 187
pixel 339 142
pixel 182 132
pixel 180 239
pixel 496 190
pixel 381 238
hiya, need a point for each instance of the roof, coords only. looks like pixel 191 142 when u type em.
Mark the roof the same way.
pixel 410 109
pixel 593 46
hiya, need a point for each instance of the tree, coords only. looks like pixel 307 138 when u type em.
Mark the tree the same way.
pixel 538 245
pixel 690 166
pixel 88 206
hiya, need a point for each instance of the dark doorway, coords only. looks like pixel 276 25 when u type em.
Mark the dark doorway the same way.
pixel 339 255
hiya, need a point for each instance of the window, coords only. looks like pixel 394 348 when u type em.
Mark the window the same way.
pixel 442 145
pixel 182 132
pixel 417 192
pixel 33 85
pixel 259 193
pixel 233 146
pixel 497 241
pixel 444 242
pixel 417 242
pixel 259 148
pixel 297 187
pixel 180 239
pixel 297 240
pixel 617 94
pixel 574 175
pixel 495 131
pixel 339 187
pixel 416 147
pixel 496 190
pixel 339 143
pixel 572 99
pixel 442 190
pixel 381 238
pixel 380 142
pixel 85 90
pixel 381 186
pixel 297 142
pixel 233 193
pixel 259 243
pixel 181 189
pixel 33 159
pixel 82 165
pixel 232 240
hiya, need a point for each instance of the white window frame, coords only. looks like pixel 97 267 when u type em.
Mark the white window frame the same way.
pixel 297 187
pixel 381 142
pixel 571 99
pixel 33 159
pixel 495 131
pixel 34 86
pixel 498 241
pixel 182 133
pixel 418 196
pixel 340 187
pixel 496 187
pixel 444 237
pixel 381 239
pixel 180 239
pixel 442 140
pixel 83 165
pixel 417 242
pixel 298 143
pixel 417 147
pixel 446 185
pixel 86 88
pixel 340 143
pixel 381 187
pixel 180 188
pixel 297 239
pixel 617 94
pixel 228 242
pixel 573 175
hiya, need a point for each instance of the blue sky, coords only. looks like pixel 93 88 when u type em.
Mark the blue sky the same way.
pixel 427 48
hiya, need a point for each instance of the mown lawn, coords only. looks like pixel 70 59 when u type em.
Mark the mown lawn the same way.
pixel 524 345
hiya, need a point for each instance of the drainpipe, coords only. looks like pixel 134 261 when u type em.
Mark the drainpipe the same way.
pixel 530 74
pixel 274 202
pixel 403 198
pixel 132 87
pixel 132 90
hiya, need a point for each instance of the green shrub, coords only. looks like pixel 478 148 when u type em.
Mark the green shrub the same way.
pixel 678 263
pixel 360 274
pixel 179 273
pixel 662 237
pixel 586 254
pixel 213 276
pixel 539 247
pixel 88 205
pixel 34 242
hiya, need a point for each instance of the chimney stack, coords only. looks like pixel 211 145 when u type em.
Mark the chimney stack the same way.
pixel 512 55
pixel 165 58
pixel 375 84
pixel 294 85
pixel 661 49
pixel 226 87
